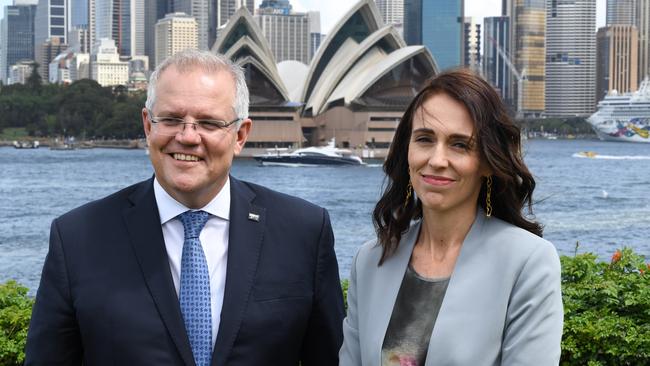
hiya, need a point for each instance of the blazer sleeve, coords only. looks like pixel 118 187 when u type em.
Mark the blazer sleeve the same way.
pixel 53 337
pixel 533 329
pixel 350 354
pixel 324 336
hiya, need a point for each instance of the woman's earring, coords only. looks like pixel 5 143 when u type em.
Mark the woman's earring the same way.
pixel 409 193
pixel 488 194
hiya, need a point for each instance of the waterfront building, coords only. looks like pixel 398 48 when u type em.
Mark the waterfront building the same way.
pixel 570 71
pixel 50 25
pixel 438 25
pixel 16 37
pixel 472 44
pixel 288 34
pixel 20 72
pixel 392 11
pixel 123 22
pixel 617 60
pixel 46 52
pixel 643 26
pixel 106 67
pixel 527 42
pixel 354 90
pixel 174 33
pixel 621 12
pixel 496 35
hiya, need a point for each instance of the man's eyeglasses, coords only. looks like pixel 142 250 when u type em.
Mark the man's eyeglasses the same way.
pixel 171 126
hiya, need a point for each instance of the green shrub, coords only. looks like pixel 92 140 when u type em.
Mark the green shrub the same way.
pixel 606 310
pixel 15 311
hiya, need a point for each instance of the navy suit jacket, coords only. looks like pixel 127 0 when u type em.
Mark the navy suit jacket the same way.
pixel 107 297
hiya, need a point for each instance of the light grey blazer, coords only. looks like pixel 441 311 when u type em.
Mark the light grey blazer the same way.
pixel 503 304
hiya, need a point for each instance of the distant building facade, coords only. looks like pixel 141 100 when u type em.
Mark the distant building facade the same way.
pixel 437 25
pixel 527 42
pixel 20 72
pixel 643 26
pixel 46 52
pixel 570 71
pixel 289 35
pixel 123 22
pixel 496 34
pixel 472 44
pixel 174 33
pixel 16 37
pixel 106 67
pixel 617 59
pixel 50 32
pixel 392 11
pixel 315 35
pixel 621 12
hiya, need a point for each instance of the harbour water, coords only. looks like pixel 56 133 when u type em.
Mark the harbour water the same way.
pixel 601 202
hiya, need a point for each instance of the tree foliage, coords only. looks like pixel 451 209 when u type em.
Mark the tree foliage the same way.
pixel 83 109
pixel 15 312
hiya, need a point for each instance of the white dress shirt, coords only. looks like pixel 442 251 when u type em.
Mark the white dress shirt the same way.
pixel 213 237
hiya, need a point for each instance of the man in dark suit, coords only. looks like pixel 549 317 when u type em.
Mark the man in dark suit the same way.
pixel 191 267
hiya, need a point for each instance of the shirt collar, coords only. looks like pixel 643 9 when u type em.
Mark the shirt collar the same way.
pixel 169 208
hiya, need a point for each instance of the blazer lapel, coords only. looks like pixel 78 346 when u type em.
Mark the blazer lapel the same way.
pixel 143 223
pixel 247 223
pixel 389 279
pixel 452 310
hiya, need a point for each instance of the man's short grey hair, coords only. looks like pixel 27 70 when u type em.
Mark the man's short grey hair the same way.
pixel 204 60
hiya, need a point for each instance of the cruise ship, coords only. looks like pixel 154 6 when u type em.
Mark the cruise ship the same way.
pixel 624 117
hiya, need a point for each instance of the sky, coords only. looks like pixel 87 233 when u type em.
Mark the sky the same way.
pixel 332 10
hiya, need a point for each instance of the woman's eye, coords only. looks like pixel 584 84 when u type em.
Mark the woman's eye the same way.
pixel 461 145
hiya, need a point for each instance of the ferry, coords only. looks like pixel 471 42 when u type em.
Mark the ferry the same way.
pixel 310 156
pixel 624 117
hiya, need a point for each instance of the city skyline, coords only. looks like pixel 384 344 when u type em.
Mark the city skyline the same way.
pixel 337 8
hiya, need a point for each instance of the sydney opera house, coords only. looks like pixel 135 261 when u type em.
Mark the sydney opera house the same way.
pixel 355 89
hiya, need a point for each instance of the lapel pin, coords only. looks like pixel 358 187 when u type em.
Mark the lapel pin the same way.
pixel 254 217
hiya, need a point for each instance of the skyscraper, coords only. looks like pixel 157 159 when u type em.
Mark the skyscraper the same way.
pixel 621 12
pixel 570 75
pixel 123 22
pixel 50 32
pixel 496 34
pixel 78 14
pixel 288 34
pixel 174 33
pixel 277 6
pixel 527 42
pixel 393 13
pixel 472 44
pixel 154 11
pixel 17 41
pixel 643 25
pixel 200 10
pixel 617 59
pixel 438 25
pixel 221 11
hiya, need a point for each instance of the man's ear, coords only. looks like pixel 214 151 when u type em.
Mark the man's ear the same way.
pixel 146 122
pixel 242 134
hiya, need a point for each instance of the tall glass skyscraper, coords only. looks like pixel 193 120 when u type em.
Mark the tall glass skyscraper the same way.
pixel 438 25
pixel 123 22
pixel 570 80
pixel 17 30
pixel 496 34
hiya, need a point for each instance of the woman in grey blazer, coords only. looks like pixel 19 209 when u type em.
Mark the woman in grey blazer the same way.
pixel 457 275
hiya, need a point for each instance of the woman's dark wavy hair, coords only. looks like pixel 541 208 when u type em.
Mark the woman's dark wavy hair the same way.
pixel 499 144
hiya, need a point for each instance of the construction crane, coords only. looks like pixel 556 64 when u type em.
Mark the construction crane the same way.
pixel 520 76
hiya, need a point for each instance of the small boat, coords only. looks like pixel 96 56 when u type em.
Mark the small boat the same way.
pixel 26 144
pixel 587 154
pixel 309 156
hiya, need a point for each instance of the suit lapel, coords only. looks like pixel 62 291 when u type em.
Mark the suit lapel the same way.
pixel 247 223
pixel 389 279
pixel 143 223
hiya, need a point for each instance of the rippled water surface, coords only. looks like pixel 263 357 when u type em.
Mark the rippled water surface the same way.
pixel 601 202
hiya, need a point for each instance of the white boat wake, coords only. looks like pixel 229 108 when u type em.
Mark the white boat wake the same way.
pixel 612 157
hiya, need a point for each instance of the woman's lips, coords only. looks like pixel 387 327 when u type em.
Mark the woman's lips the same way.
pixel 437 180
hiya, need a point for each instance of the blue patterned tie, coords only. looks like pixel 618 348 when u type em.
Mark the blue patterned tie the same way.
pixel 195 288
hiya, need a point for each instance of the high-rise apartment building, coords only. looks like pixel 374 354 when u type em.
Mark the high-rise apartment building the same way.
pixel 288 34
pixel 496 35
pixel 123 22
pixel 106 67
pixel 621 12
pixel 643 26
pixel 393 13
pixel 617 59
pixel 17 37
pixel 570 75
pixel 174 33
pixel 527 39
pixel 472 44
pixel 438 25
